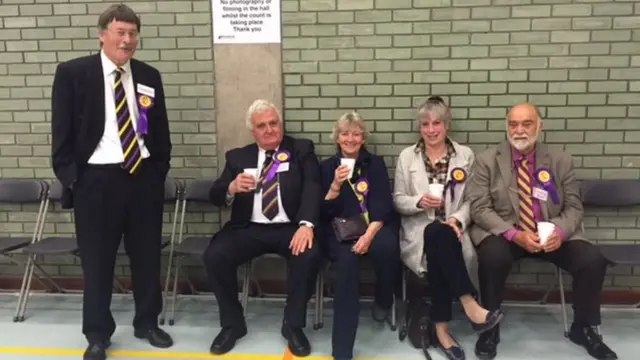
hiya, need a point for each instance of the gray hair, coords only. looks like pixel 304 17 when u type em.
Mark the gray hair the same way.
pixel 535 107
pixel 259 106
pixel 349 120
pixel 437 107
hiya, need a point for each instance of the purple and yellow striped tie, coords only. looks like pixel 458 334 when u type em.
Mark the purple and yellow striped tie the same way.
pixel 269 189
pixel 527 217
pixel 127 133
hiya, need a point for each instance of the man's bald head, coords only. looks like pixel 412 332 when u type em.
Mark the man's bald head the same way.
pixel 523 126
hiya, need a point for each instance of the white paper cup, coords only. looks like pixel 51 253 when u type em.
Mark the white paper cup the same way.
pixel 545 229
pixel 436 190
pixel 351 163
pixel 253 172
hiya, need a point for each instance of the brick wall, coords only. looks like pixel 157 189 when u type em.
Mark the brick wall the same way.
pixel 578 60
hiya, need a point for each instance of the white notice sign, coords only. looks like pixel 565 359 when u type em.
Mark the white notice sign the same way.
pixel 246 21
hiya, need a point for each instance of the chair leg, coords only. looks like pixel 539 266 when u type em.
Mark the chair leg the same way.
pixel 174 294
pixel 402 331
pixel 25 298
pixel 392 322
pixel 245 287
pixel 563 302
pixel 165 295
pixel 320 323
pixel 319 300
pixel 27 265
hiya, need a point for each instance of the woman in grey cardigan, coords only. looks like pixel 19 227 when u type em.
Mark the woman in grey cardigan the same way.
pixel 428 193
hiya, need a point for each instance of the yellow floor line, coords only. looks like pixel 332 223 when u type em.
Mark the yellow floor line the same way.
pixel 157 354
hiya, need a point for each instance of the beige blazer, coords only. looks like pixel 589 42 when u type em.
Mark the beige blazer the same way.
pixel 493 198
pixel 411 182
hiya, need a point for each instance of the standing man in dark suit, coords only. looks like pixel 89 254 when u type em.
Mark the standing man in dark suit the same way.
pixel 111 151
pixel 273 210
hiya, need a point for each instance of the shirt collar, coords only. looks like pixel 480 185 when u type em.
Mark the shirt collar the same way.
pixel 108 67
pixel 517 156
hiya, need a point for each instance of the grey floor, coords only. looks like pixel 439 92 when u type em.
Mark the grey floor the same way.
pixel 53 324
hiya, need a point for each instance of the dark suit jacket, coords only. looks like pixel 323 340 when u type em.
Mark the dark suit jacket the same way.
pixel 300 186
pixel 379 199
pixel 77 123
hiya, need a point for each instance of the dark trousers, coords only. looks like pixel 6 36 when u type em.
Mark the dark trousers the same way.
pixel 384 253
pixel 446 270
pixel 582 260
pixel 109 204
pixel 232 247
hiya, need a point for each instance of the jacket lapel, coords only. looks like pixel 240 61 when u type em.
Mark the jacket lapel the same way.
pixel 94 104
pixel 543 160
pixel 505 164
pixel 283 177
pixel 457 161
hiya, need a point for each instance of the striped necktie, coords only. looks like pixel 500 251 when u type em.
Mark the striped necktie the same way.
pixel 269 189
pixel 127 133
pixel 526 217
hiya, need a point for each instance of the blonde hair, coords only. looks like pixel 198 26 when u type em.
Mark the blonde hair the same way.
pixel 259 106
pixel 436 106
pixel 349 120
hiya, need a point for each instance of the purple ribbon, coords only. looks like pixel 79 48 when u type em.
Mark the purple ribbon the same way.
pixel 458 176
pixel 361 188
pixel 144 104
pixel 545 178
pixel 279 157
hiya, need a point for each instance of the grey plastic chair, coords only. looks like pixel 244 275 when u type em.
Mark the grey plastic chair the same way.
pixel 24 191
pixel 54 245
pixel 172 192
pixel 190 246
pixel 614 193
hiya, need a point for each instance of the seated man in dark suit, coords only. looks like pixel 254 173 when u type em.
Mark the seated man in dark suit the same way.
pixel 273 188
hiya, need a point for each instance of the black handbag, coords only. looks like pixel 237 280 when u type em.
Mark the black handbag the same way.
pixel 350 229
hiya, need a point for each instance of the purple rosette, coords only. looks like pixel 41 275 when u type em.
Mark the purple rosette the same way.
pixel 545 178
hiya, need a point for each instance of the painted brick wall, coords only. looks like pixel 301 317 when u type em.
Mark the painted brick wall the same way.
pixel 578 60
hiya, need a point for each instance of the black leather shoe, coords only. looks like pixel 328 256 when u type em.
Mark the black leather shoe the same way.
pixel 97 351
pixel 487 344
pixel 226 340
pixel 588 337
pixel 493 318
pixel 156 337
pixel 298 342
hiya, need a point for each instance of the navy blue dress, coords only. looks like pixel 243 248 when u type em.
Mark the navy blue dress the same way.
pixel 384 250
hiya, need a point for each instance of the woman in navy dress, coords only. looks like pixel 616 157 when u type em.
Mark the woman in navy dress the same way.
pixel 366 192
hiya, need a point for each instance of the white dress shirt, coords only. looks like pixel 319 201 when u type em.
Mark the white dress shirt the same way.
pixel 109 149
pixel 257 216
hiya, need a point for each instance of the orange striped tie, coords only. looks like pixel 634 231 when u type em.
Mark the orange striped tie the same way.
pixel 527 217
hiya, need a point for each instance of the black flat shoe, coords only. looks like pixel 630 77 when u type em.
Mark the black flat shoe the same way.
pixel 455 352
pixel 493 318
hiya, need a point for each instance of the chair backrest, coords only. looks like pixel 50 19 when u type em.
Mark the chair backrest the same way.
pixel 198 190
pixel 611 193
pixel 22 190
pixel 172 189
